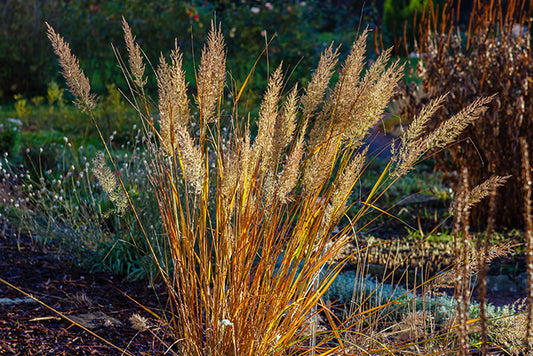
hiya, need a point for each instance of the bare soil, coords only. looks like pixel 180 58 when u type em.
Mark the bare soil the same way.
pixel 29 328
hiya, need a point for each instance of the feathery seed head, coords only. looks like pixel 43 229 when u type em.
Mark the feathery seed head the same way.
pixel 289 175
pixel 346 90
pixel 211 74
pixel 138 322
pixel 480 192
pixel 109 183
pixel 265 145
pixel 191 156
pixel 287 122
pixel 173 100
pixel 314 93
pixel 413 148
pixel 77 82
pixel 134 52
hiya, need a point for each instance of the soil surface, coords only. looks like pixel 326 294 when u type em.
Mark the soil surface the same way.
pixel 97 301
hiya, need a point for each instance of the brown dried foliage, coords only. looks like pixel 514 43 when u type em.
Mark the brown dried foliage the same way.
pixel 495 58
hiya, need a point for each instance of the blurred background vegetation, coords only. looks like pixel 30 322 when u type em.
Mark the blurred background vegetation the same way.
pixel 36 116
pixel 303 28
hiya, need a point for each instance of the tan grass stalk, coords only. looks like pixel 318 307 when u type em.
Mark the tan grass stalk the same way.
pixel 528 217
pixel 412 143
pixel 190 159
pixel 343 188
pixel 286 124
pixel 377 88
pixel 289 175
pixel 77 82
pixel 266 146
pixel 483 244
pixel 460 232
pixel 442 136
pixel 315 91
pixel 347 89
pixel 338 107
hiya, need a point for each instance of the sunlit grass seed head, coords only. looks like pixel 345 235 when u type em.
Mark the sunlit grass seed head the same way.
pixel 135 58
pixel 109 183
pixel 211 74
pixel 77 82
pixel 173 101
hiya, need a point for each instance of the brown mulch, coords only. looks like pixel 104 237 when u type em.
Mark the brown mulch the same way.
pixel 29 328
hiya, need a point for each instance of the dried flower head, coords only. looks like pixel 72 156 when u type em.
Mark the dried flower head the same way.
pixel 77 82
pixel 265 144
pixel 173 100
pixel 481 191
pixel 109 183
pixel 211 74
pixel 135 59
pixel 138 322
pixel 314 93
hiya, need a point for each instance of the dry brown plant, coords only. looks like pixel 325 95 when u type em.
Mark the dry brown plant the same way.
pixel 490 57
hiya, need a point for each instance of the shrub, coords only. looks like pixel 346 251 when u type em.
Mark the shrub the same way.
pixel 492 57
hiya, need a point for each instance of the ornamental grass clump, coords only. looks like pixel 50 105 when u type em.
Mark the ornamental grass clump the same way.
pixel 248 217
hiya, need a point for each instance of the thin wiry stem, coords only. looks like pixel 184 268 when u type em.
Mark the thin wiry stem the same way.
pixel 527 177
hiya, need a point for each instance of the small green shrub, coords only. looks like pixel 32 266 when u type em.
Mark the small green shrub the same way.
pixel 9 136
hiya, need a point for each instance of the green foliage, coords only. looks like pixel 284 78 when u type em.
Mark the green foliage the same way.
pixel 9 136
pixel 42 122
pixel 26 65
